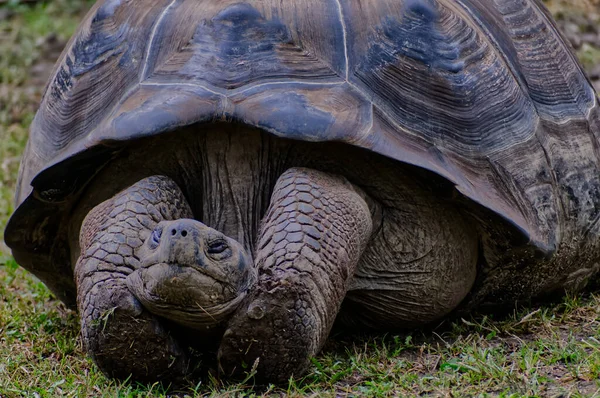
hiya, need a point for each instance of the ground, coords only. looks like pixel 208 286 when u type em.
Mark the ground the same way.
pixel 552 350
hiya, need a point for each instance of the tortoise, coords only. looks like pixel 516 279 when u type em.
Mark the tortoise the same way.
pixel 246 173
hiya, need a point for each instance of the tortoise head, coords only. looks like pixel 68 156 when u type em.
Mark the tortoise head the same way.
pixel 191 274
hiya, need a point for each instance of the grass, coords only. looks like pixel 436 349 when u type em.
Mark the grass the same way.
pixel 589 56
pixel 552 350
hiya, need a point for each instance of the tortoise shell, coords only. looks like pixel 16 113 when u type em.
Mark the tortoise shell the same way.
pixel 484 93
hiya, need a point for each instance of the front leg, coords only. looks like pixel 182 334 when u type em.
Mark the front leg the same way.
pixel 122 337
pixel 313 235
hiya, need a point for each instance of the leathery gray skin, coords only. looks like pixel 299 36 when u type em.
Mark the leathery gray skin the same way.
pixel 146 264
pixel 312 238
pixel 324 243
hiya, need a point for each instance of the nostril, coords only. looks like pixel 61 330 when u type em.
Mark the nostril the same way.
pixel 173 232
pixel 184 233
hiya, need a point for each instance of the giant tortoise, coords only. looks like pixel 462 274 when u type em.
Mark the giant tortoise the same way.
pixel 247 172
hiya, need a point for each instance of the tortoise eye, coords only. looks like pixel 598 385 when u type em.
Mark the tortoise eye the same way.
pixel 217 247
pixel 155 237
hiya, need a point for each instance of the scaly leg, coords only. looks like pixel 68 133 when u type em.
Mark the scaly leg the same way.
pixel 119 333
pixel 311 240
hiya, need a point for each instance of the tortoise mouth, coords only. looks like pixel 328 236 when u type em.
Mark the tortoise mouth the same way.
pixel 177 268
pixel 186 295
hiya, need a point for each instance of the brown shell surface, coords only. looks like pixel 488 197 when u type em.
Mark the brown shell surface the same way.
pixel 482 92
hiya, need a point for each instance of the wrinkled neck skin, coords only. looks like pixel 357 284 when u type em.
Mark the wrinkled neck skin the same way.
pixel 228 172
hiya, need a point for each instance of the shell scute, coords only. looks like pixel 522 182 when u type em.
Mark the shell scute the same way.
pixel 236 44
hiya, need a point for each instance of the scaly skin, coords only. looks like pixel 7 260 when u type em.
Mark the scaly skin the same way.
pixel 122 337
pixel 323 241
pixel 312 238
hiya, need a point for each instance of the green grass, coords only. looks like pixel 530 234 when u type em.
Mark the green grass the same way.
pixel 548 351
pixel 589 56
